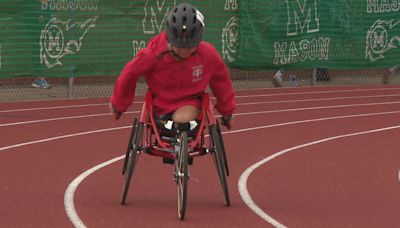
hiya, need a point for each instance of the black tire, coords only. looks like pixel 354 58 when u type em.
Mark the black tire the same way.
pixel 219 134
pixel 217 155
pixel 130 147
pixel 182 174
pixel 132 160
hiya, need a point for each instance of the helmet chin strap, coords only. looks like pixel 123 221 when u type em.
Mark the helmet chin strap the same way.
pixel 175 54
pixel 170 49
pixel 180 57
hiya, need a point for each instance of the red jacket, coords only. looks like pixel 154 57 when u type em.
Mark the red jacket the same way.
pixel 175 82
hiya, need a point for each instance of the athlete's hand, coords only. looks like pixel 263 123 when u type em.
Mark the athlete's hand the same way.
pixel 117 114
pixel 227 121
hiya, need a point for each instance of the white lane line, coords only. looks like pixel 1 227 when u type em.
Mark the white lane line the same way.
pixel 238 114
pixel 321 107
pixel 242 184
pixel 69 203
pixel 61 137
pixel 228 132
pixel 61 107
pixel 61 118
pixel 317 92
pixel 53 107
pixel 70 192
pixel 239 96
pixel 320 99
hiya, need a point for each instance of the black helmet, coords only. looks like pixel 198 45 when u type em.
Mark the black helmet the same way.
pixel 185 26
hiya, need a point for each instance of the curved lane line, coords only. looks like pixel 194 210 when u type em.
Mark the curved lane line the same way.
pixel 316 92
pixel 320 99
pixel 61 118
pixel 53 107
pixel 242 183
pixel 69 194
pixel 61 137
pixel 241 96
pixel 237 114
pixel 228 132
pixel 61 107
pixel 69 204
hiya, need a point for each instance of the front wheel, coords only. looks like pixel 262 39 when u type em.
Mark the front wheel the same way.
pixel 132 160
pixel 181 173
pixel 219 158
pixel 219 135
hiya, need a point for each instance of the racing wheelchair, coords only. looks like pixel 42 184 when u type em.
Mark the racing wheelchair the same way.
pixel 178 143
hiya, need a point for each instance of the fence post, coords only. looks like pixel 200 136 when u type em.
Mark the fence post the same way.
pixel 314 76
pixel 70 86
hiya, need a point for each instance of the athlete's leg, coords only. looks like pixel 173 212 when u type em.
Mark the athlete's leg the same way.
pixel 185 114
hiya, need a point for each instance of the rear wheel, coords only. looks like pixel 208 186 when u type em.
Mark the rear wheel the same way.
pixel 220 139
pixel 130 147
pixel 181 173
pixel 217 154
pixel 132 160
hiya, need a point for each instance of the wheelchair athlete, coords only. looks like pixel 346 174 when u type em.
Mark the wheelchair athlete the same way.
pixel 178 67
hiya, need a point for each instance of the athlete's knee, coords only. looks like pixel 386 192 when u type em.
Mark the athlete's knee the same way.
pixel 185 114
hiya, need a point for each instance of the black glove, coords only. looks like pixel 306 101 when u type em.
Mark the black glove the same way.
pixel 227 121
pixel 116 113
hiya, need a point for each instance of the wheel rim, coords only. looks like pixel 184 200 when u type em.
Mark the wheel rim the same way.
pixel 182 175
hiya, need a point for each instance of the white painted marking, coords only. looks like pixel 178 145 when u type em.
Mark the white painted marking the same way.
pixel 259 95
pixel 70 192
pixel 316 92
pixel 236 114
pixel 242 184
pixel 229 132
pixel 61 118
pixel 61 137
pixel 53 107
pixel 317 107
pixel 75 218
pixel 69 198
pixel 319 99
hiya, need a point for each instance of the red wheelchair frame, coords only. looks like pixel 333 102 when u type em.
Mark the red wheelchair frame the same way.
pixel 180 147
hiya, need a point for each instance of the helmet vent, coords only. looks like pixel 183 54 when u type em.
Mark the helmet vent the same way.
pixel 184 26
pixel 184 19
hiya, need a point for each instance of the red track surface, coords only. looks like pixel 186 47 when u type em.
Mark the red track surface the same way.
pixel 329 168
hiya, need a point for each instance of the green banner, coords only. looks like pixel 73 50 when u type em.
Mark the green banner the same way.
pixel 94 37
pixel 339 34
pixel 97 37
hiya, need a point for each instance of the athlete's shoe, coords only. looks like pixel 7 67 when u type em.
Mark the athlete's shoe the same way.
pixel 41 83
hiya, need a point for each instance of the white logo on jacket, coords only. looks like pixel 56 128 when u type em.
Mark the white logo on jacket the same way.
pixel 197 73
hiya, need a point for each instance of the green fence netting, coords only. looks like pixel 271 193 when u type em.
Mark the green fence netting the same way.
pixel 335 34
pixel 89 37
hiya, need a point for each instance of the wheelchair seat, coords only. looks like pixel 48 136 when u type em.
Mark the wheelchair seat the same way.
pixel 168 128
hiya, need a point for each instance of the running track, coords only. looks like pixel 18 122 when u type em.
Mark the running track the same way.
pixel 299 157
